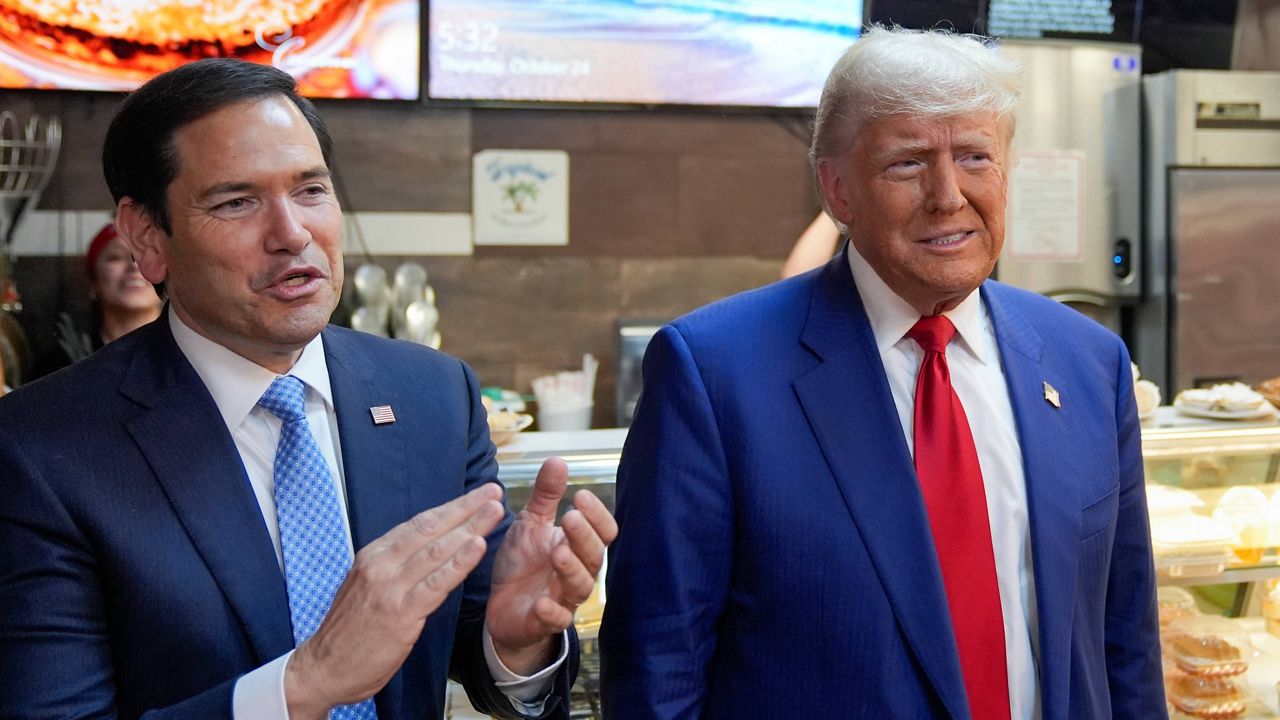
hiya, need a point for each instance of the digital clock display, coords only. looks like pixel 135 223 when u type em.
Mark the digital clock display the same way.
pixel 759 53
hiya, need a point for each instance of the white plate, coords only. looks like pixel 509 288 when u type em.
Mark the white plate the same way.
pixel 1266 411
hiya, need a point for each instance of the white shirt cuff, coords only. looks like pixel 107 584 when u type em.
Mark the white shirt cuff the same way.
pixel 259 695
pixel 528 694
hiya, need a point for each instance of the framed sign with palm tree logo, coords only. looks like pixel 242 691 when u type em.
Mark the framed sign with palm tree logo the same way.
pixel 520 197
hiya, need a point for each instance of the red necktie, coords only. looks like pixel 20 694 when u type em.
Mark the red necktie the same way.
pixel 951 480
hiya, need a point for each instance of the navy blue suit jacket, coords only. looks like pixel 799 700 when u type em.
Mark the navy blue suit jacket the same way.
pixel 137 577
pixel 775 559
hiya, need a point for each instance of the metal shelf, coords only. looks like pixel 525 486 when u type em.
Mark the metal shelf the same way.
pixel 1169 435
pixel 1230 576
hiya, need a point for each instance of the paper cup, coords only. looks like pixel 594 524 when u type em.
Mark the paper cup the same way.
pixel 571 419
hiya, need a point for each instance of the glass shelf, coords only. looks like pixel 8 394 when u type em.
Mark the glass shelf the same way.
pixel 1170 435
pixel 1230 576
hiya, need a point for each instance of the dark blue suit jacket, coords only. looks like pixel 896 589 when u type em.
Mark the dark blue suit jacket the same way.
pixel 137 577
pixel 775 558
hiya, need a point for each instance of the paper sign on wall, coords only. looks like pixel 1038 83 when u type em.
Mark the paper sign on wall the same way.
pixel 1046 206
pixel 520 197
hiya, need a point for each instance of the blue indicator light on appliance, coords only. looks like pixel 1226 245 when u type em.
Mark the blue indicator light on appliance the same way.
pixel 1124 63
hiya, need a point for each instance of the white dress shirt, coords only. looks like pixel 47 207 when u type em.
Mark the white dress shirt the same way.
pixel 974 361
pixel 236 384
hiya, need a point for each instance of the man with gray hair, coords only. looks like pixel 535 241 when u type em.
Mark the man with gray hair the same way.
pixel 890 487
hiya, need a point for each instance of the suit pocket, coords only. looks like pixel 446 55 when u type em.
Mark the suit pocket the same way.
pixel 1100 514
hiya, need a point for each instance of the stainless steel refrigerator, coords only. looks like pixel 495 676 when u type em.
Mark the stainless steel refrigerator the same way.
pixel 1075 187
pixel 1211 307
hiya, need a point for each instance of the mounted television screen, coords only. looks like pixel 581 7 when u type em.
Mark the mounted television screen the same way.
pixel 1114 20
pixel 336 48
pixel 1111 20
pixel 751 53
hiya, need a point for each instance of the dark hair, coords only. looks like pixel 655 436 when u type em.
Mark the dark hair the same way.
pixel 139 159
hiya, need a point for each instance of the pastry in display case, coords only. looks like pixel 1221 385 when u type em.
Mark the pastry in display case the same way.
pixel 1244 510
pixel 1226 401
pixel 1206 661
pixel 1270 389
pixel 1208 646
pixel 1190 545
pixel 1205 697
pixel 1167 501
pixel 1208 653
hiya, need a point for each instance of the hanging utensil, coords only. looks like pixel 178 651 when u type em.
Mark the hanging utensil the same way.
pixel 28 156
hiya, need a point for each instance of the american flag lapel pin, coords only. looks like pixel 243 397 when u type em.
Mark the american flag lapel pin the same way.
pixel 382 414
pixel 1051 394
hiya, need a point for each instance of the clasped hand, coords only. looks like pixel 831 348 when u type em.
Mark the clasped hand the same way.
pixel 540 575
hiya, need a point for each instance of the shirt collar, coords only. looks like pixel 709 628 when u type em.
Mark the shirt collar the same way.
pixel 235 382
pixel 892 317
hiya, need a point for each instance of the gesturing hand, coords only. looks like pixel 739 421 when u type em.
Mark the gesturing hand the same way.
pixel 543 572
pixel 378 614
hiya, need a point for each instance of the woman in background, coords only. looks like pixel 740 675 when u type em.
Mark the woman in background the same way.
pixel 122 299
pixel 814 247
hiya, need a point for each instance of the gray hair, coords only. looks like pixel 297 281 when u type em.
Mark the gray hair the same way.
pixel 923 73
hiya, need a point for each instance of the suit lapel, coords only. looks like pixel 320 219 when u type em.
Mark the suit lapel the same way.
pixel 186 442
pixel 1053 505
pixel 374 459
pixel 851 411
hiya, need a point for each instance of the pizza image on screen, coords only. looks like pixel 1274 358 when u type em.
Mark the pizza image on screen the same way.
pixel 336 48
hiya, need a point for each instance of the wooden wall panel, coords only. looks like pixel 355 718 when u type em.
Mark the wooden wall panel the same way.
pixel 624 205
pixel 743 205
pixel 568 130
pixel 401 157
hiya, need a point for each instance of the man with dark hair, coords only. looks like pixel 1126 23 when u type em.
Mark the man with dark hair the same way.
pixel 239 512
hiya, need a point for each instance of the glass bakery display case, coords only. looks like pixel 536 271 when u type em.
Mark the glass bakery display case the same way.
pixel 1215 526
pixel 1212 494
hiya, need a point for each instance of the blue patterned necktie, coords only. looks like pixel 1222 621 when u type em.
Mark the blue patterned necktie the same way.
pixel 313 535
